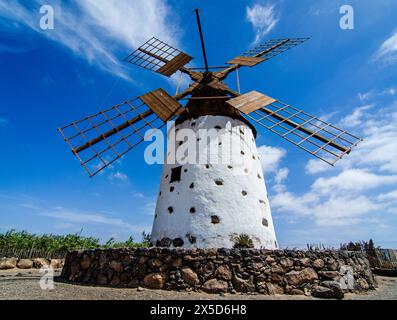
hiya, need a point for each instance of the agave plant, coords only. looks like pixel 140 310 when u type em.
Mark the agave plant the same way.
pixel 243 241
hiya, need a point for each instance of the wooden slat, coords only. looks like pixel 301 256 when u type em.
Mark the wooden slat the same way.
pixel 216 84
pixel 246 61
pixel 174 64
pixel 161 103
pixel 250 102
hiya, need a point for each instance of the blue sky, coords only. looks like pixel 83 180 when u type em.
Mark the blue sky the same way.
pixel 50 78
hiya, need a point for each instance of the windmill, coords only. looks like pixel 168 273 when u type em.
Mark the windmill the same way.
pixel 206 205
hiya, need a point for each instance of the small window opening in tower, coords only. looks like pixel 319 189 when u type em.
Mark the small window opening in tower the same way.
pixel 176 174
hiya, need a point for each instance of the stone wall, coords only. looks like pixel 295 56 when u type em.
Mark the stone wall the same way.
pixel 319 273
pixel 37 263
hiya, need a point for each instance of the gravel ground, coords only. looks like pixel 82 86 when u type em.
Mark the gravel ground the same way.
pixel 25 285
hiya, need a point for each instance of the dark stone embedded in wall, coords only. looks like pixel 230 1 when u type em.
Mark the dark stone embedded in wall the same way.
pixel 178 242
pixel 165 242
pixel 326 274
pixel 215 219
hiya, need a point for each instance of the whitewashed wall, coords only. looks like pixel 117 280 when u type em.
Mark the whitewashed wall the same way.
pixel 189 209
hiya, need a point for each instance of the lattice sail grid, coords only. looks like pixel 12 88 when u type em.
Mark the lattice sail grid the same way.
pixel 274 47
pixel 319 138
pixel 101 139
pixel 158 56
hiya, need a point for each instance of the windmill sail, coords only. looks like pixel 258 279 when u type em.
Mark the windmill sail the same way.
pixel 158 56
pixel 321 139
pixel 265 51
pixel 101 139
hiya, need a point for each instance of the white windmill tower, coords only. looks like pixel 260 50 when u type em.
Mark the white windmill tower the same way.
pixel 206 204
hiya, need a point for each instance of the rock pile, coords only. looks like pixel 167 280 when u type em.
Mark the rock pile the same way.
pixel 12 263
pixel 326 274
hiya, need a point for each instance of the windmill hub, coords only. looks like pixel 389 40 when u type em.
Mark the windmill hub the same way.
pixel 207 204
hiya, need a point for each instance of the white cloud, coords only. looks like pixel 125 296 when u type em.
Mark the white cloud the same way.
pixel 314 166
pixel 139 195
pixel 270 158
pixel 364 97
pixel 82 219
pixel 281 175
pixel 353 180
pixel 286 201
pixel 119 176
pixel 389 196
pixel 100 31
pixel 360 190
pixel 263 19
pixel 150 208
pixel 388 50
pixel 342 211
pixel 355 118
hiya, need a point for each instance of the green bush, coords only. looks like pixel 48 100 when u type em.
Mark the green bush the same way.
pixel 23 240
pixel 243 241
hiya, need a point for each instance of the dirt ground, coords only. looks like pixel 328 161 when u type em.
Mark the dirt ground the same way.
pixel 21 285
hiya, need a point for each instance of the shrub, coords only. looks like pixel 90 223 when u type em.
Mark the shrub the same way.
pixel 243 241
pixel 23 240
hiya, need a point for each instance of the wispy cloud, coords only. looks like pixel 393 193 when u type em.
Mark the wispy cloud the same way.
pixel 387 52
pixel 80 218
pixel 99 31
pixel 365 96
pixel 263 18
pixel 70 219
pixel 150 207
pixel 355 118
pixel 270 157
pixel 362 187
pixel 118 176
